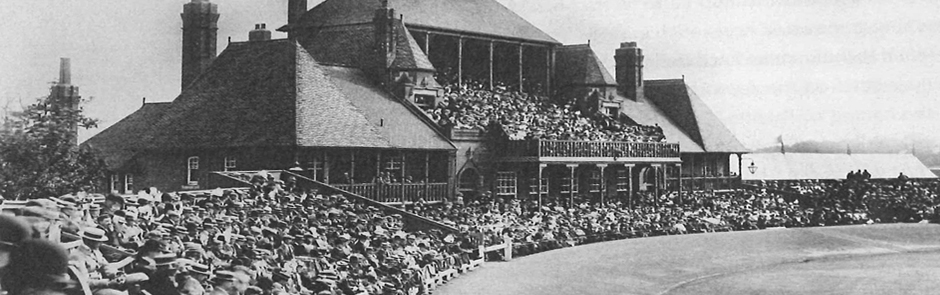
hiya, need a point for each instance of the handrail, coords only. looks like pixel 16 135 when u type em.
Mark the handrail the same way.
pixel 412 221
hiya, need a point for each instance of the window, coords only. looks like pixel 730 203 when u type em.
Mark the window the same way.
pixel 595 185
pixel 623 180
pixel 506 183
pixel 128 183
pixel 192 171
pixel 567 187
pixel 611 111
pixel 115 182
pixel 533 187
pixel 394 162
pixel 316 166
pixel 424 101
pixel 229 163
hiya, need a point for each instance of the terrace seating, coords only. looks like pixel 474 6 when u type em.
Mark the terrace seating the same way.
pixel 529 116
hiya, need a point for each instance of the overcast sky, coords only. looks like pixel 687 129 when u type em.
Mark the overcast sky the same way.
pixel 810 70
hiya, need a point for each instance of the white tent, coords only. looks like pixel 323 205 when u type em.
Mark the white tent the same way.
pixel 776 166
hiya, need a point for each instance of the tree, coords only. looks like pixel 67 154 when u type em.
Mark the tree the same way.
pixel 39 156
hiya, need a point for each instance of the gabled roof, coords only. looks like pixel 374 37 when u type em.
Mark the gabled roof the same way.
pixel 692 115
pixel 118 143
pixel 266 94
pixel 579 65
pixel 484 17
pixel 408 55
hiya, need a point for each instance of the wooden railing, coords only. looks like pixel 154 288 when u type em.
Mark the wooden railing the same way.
pixel 398 193
pixel 591 149
pixel 690 183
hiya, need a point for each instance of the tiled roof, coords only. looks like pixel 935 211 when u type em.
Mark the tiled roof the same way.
pixel 396 124
pixel 642 112
pixel 484 17
pixel 579 65
pixel 245 98
pixel 346 45
pixel 408 55
pixel 118 143
pixel 692 115
pixel 266 94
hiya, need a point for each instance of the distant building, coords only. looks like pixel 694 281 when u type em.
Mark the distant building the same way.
pixel 345 97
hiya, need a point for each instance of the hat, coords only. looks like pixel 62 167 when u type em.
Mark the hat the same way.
pixel 94 234
pixel 199 268
pixel 279 276
pixel 165 259
pixel 13 230
pixel 39 212
pixel 222 276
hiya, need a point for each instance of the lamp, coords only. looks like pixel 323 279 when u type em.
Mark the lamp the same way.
pixel 752 167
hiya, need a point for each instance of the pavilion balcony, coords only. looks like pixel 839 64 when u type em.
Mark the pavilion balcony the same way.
pixel 561 150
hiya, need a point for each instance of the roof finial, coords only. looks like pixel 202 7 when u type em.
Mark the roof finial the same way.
pixel 589 42
pixel 144 100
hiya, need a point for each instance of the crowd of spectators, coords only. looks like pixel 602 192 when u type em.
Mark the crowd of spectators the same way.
pixel 278 238
pixel 273 238
pixel 554 224
pixel 473 105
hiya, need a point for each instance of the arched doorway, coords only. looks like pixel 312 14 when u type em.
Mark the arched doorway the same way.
pixel 469 182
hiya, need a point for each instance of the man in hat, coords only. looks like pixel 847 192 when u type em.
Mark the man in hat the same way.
pixel 91 261
pixel 193 282
pixel 224 283
pixel 163 280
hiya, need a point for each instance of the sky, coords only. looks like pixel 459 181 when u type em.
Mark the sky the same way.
pixel 803 69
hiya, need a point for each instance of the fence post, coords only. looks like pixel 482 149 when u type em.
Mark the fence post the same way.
pixel 482 253
pixel 508 251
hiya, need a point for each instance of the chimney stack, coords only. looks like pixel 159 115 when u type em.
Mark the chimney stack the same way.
pixel 629 68
pixel 260 33
pixel 65 71
pixel 295 10
pixel 200 29
pixel 64 97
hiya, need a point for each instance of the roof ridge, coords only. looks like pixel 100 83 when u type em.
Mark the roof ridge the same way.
pixel 574 46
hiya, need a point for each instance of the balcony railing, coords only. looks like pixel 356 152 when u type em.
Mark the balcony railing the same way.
pixel 591 149
pixel 398 192
pixel 708 183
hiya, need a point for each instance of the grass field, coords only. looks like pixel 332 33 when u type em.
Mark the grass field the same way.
pixel 874 259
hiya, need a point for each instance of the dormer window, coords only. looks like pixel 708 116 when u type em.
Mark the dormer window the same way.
pixel 611 111
pixel 424 101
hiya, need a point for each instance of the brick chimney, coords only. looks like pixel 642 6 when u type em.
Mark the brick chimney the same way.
pixel 629 60
pixel 384 43
pixel 260 33
pixel 200 28
pixel 65 97
pixel 295 10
